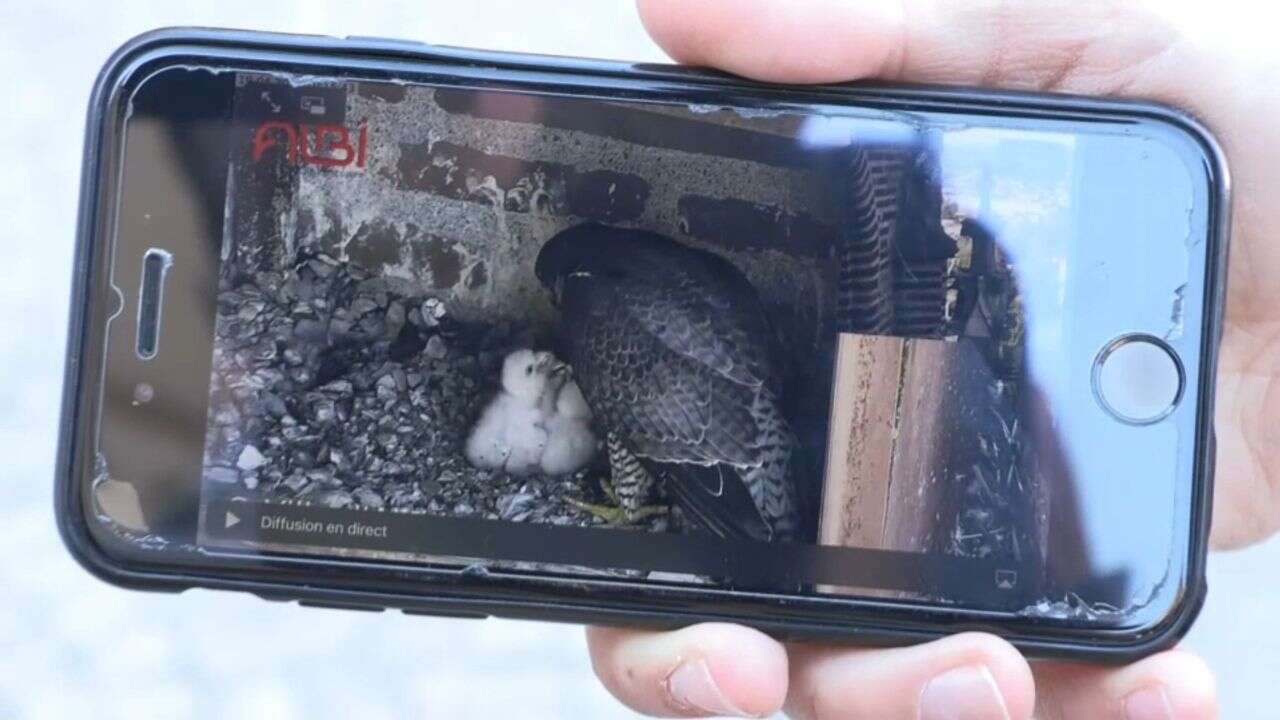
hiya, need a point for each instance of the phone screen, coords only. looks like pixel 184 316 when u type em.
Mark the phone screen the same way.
pixel 804 349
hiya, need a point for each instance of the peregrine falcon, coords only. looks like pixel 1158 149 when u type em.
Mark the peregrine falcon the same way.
pixel 675 356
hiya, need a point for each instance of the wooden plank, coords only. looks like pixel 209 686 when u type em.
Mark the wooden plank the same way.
pixel 921 459
pixel 860 452
pixel 921 452
pixel 888 442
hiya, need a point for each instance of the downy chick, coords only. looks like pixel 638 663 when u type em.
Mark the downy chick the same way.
pixel 570 442
pixel 512 434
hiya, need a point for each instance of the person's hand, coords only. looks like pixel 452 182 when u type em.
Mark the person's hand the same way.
pixel 1076 46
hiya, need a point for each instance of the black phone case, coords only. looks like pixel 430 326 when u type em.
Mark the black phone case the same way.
pixel 461 594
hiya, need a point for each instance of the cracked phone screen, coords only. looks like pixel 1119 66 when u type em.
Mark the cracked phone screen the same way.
pixel 823 351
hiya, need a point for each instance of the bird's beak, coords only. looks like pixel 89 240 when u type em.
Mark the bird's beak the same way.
pixel 545 361
pixel 550 363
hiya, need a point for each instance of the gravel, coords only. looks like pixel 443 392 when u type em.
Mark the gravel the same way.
pixel 330 389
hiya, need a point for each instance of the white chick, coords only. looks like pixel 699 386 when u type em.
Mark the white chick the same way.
pixel 511 434
pixel 570 442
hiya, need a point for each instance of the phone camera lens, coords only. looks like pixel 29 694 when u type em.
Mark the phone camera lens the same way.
pixel 143 393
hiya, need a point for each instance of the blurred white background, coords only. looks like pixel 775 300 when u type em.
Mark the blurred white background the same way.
pixel 72 647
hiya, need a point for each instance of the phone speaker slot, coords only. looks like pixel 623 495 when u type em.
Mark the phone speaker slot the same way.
pixel 155 266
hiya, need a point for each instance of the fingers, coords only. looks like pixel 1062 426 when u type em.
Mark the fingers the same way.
pixel 1174 685
pixel 802 41
pixel 727 670
pixel 1090 46
pixel 971 676
pixel 708 669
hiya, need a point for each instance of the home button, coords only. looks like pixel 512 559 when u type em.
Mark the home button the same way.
pixel 1138 378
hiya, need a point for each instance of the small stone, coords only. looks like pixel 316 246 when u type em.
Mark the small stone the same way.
pixel 369 498
pixel 340 327
pixel 250 458
pixel 322 476
pixel 321 267
pixel 432 312
pixel 273 405
pixel 363 305
pixel 335 499
pixel 310 330
pixel 251 309
pixel 220 474
pixel 338 387
pixel 302 458
pixel 251 482
pixel 226 415
pixel 266 377
pixel 265 354
pixel 395 317
pixel 325 411
pixel 436 348
pixel 386 388
pixel 429 487
pixel 295 482
pixel 372 326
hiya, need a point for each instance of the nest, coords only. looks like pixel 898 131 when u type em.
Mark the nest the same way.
pixel 330 389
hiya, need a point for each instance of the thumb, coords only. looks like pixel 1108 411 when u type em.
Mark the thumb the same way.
pixel 1081 46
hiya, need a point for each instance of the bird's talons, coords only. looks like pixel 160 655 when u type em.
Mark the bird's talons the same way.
pixel 607 488
pixel 610 515
pixel 644 512
pixel 616 515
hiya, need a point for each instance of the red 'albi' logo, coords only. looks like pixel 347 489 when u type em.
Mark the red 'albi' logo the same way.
pixel 323 145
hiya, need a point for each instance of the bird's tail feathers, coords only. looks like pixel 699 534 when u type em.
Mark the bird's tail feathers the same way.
pixel 770 482
pixel 720 504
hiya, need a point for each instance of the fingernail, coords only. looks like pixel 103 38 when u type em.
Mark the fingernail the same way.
pixel 964 693
pixel 692 689
pixel 1150 703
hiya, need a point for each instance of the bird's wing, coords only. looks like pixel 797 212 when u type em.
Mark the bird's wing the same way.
pixel 671 382
pixel 702 308
pixel 689 425
pixel 671 406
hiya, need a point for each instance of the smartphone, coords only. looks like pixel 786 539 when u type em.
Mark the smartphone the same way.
pixel 375 324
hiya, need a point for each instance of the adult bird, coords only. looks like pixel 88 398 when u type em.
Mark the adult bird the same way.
pixel 675 356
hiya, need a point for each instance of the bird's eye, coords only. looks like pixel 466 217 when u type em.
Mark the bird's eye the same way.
pixel 528 370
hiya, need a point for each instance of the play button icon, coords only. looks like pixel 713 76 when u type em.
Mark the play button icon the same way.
pixel 232 520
